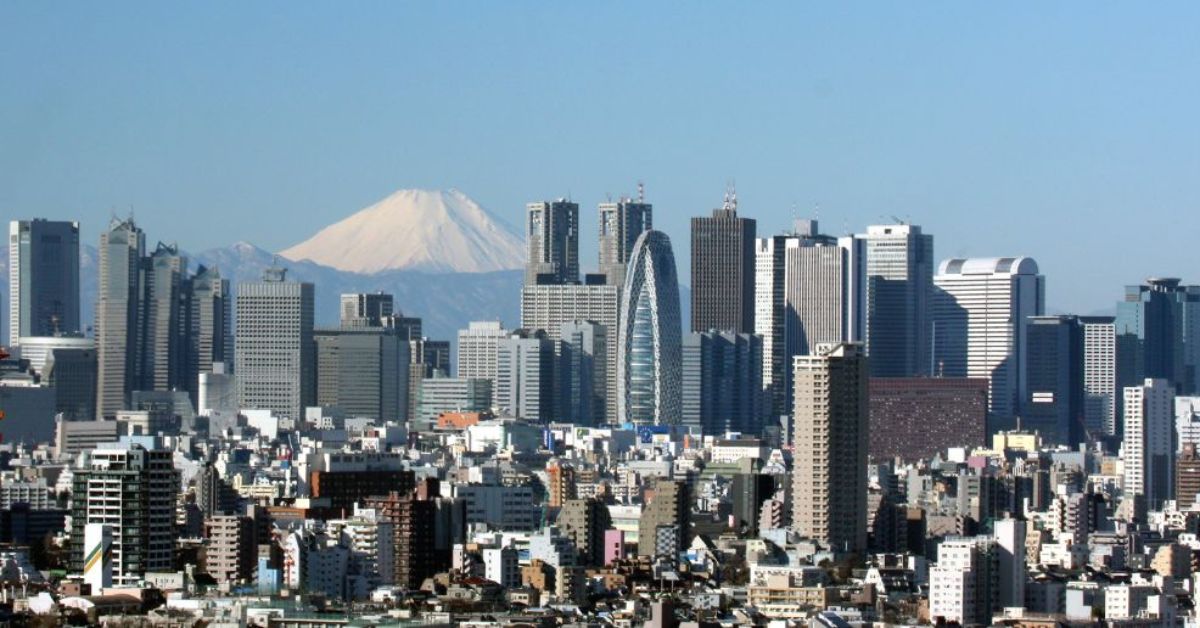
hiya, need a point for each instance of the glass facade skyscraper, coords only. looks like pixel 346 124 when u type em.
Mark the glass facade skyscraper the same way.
pixel 649 345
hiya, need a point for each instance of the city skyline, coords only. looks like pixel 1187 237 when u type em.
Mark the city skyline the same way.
pixel 991 129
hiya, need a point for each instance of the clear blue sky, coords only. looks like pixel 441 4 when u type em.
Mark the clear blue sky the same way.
pixel 1064 131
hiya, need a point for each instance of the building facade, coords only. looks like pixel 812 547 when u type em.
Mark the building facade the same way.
pixel 723 271
pixel 829 447
pixel 979 326
pixel 648 344
pixel 275 353
pixel 43 278
pixel 899 276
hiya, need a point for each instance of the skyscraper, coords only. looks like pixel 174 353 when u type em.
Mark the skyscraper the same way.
pixel 648 359
pixel 43 278
pixel 722 382
pixel 118 315
pixel 770 310
pixel 525 375
pixel 129 487
pixel 899 271
pixel 210 335
pixel 620 225
pixel 363 371
pixel 823 294
pixel 164 331
pixel 551 307
pixel 979 314
pixel 829 439
pixel 1157 325
pixel 553 228
pixel 1053 403
pixel 477 345
pixel 582 364
pixel 1100 375
pixel 723 270
pixel 1148 449
pixel 275 353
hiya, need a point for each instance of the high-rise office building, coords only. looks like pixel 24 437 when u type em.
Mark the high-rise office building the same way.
pixel 71 372
pixel 118 315
pixel 1156 325
pixel 823 293
pixel 1100 398
pixel 364 371
pixel 723 270
pixel 43 278
pixel 809 288
pixel 551 307
pixel 648 344
pixel 131 487
pixel 829 445
pixel 620 225
pixel 1053 404
pixel 210 335
pixel 366 309
pixel 477 345
pixel 525 376
pixel 722 382
pixel 553 229
pixel 770 314
pixel 275 354
pixel 582 364
pixel 979 329
pixel 1148 449
pixel 899 272
pixel 164 331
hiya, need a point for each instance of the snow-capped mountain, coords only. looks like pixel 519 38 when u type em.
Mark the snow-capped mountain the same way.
pixel 435 231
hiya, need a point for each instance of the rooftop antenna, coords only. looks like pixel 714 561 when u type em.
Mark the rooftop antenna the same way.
pixel 641 188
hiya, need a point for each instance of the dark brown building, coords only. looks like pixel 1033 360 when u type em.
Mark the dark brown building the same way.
pixel 343 489
pixel 918 417
pixel 414 518
pixel 723 271
pixel 1187 476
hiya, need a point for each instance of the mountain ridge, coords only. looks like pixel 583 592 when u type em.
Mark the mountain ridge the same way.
pixel 418 230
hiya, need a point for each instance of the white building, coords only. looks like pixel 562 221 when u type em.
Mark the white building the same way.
pixel 1099 374
pixel 500 565
pixel 477 349
pixel 1187 422
pixel 979 312
pixel 1148 451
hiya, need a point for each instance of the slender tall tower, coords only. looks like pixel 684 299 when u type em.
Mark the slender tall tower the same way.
pixel 620 225
pixel 899 272
pixel 553 228
pixel 723 270
pixel 1148 449
pixel 210 338
pixel 165 330
pixel 1100 375
pixel 118 315
pixel 649 351
pixel 43 278
pixel 829 485
pixel 979 316
pixel 275 352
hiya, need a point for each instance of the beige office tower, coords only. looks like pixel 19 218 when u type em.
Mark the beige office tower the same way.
pixel 829 438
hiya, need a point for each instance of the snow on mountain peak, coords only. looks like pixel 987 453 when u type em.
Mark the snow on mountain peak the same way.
pixel 423 230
